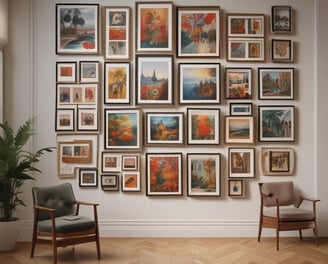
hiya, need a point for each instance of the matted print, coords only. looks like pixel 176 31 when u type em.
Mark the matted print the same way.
pixel 110 162
pixel 281 19
pixel 131 181
pixel 87 119
pixel 241 109
pixel 281 50
pixel 110 182
pixel 236 188
pixel 246 49
pixel 66 71
pixel 239 129
pixel 238 83
pixel 88 177
pixel 278 161
pixel 245 25
pixel 89 71
pixel 241 162
pixel 65 119
pixel 130 162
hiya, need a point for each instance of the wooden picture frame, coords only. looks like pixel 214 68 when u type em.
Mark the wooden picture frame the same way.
pixel 281 19
pixel 110 162
pixel 276 83
pixel 164 128
pixel 76 94
pixel 236 188
pixel 87 119
pixel 110 182
pixel 238 83
pixel 199 31
pixel 276 123
pixel 239 129
pixel 154 79
pixel 88 177
pixel 89 71
pixel 122 129
pixel 203 126
pixel 130 162
pixel 204 174
pixel 199 83
pixel 66 71
pixel 241 109
pixel 281 50
pixel 164 174
pixel 154 26
pixel 117 33
pixel 278 161
pixel 245 25
pixel 131 181
pixel 117 83
pixel 245 50
pixel 241 162
pixel 65 119
pixel 77 29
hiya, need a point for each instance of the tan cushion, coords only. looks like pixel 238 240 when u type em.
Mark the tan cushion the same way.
pixel 283 191
pixel 289 213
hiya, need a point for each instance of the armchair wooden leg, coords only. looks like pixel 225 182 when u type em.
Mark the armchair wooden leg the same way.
pixel 301 237
pixel 259 235
pixel 315 233
pixel 277 238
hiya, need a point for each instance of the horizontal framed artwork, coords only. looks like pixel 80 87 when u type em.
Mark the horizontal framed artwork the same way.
pixel 199 83
pixel 164 128
pixel 239 129
pixel 76 94
pixel 241 109
pixel 246 49
pixel 204 174
pixel 65 119
pixel 236 188
pixel 130 162
pixel 66 71
pixel 281 19
pixel 277 161
pixel 89 71
pixel 198 31
pixel 281 50
pixel 131 181
pixel 276 83
pixel 241 162
pixel 88 177
pixel 245 25
pixel 238 83
pixel 110 182
pixel 164 174
pixel 203 126
pixel 276 123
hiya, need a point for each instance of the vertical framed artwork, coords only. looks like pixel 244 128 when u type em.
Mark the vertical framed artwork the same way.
pixel 281 19
pixel 199 83
pixel 164 128
pixel 241 162
pixel 239 129
pixel 277 161
pixel 276 123
pixel 164 174
pixel 276 83
pixel 88 177
pixel 89 71
pixel 203 174
pixel 110 182
pixel 154 26
pixel 238 83
pixel 77 28
pixel 131 181
pixel 122 129
pixel 117 36
pixel 199 31
pixel 236 188
pixel 66 71
pixel 65 119
pixel 203 126
pixel 154 78
pixel 281 50
pixel 117 83
pixel 87 119
pixel 130 162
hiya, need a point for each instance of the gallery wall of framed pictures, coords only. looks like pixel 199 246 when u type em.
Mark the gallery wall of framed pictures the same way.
pixel 171 84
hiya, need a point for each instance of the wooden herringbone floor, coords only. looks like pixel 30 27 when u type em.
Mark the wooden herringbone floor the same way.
pixel 178 251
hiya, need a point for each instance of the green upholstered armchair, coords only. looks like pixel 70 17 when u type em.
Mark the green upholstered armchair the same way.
pixel 281 211
pixel 57 220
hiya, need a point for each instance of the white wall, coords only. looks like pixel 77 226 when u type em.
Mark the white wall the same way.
pixel 30 91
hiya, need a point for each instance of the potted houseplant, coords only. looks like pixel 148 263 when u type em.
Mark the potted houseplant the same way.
pixel 16 166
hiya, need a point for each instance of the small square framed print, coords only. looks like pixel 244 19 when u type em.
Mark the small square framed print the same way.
pixel 277 161
pixel 88 177
pixel 236 188
pixel 131 181
pixel 281 50
pixel 241 162
pixel 238 83
pixel 89 71
pixel 239 129
pixel 87 119
pixel 281 19
pixel 110 162
pixel 66 71
pixel 110 182
pixel 65 119
pixel 130 162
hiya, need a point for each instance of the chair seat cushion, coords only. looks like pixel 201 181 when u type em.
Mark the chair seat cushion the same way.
pixel 67 224
pixel 289 213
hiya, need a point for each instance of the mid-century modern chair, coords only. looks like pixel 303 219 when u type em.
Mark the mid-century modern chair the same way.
pixel 280 210
pixel 57 220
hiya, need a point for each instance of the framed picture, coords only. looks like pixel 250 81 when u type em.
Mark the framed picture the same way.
pixel 65 119
pixel 236 188
pixel 199 31
pixel 66 71
pixel 89 71
pixel 277 161
pixel 154 26
pixel 154 78
pixel 87 119
pixel 77 28
pixel 203 126
pixel 241 109
pixel 238 83
pixel 276 83
pixel 76 151
pixel 76 94
pixel 241 162
pixel 281 19
pixel 199 83
pixel 281 50
pixel 88 177
pixel 122 129
pixel 276 123
pixel 130 162
pixel 204 174
pixel 117 36
pixel 117 83
pixel 164 128
pixel 239 129
pixel 131 181
pixel 245 25
pixel 110 162
pixel 246 49
pixel 110 182
pixel 164 174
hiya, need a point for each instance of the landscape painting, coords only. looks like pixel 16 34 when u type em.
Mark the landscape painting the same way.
pixel 239 129
pixel 238 83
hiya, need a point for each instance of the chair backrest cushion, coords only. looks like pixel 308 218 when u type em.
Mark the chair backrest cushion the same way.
pixel 59 197
pixel 283 191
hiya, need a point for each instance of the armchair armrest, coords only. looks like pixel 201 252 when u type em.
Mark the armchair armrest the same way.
pixel 95 213
pixel 45 209
pixel 314 201
pixel 86 203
